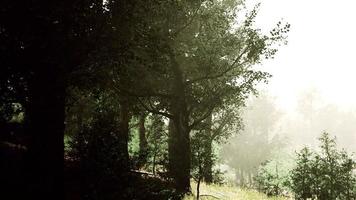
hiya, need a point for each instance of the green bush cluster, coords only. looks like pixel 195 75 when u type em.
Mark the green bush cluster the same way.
pixel 96 151
pixel 273 178
pixel 328 174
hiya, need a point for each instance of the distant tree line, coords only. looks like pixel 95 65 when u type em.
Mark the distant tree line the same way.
pixel 260 129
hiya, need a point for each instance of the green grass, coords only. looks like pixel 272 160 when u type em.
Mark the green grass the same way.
pixel 226 192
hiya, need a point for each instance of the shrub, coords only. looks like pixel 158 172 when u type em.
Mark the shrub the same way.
pixel 327 174
pixel 96 150
pixel 272 177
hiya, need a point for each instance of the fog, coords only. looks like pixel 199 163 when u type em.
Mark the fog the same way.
pixel 311 90
pixel 319 52
pixel 223 99
pixel 315 71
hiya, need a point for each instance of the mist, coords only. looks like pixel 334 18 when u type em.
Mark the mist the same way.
pixel 310 91
pixel 312 78
pixel 178 99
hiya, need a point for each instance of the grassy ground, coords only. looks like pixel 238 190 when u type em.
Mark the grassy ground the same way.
pixel 226 192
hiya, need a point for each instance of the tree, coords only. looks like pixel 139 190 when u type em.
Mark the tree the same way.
pixel 188 39
pixel 143 152
pixel 307 107
pixel 301 181
pixel 212 132
pixel 96 150
pixel 158 144
pixel 149 54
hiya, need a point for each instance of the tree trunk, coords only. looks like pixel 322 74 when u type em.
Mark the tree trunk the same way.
pixel 198 187
pixel 208 171
pixel 143 145
pixel 154 163
pixel 46 112
pixel 200 174
pixel 179 138
pixel 171 151
pixel 179 156
pixel 124 136
pixel 208 175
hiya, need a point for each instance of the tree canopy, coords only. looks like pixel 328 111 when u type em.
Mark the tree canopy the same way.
pixel 87 69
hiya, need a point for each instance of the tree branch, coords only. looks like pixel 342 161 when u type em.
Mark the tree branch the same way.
pixel 231 67
pixel 221 126
pixel 188 23
pixel 209 195
pixel 199 120
pixel 143 94
pixel 152 110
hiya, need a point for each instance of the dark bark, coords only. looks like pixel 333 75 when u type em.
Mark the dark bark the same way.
pixel 154 164
pixel 180 160
pixel 143 145
pixel 208 171
pixel 179 139
pixel 124 136
pixel 198 188
pixel 208 175
pixel 171 152
pixel 179 157
pixel 200 174
pixel 46 111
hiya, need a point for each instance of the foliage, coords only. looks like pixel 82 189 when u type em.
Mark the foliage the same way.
pixel 157 150
pixel 182 59
pixel 201 155
pixel 273 175
pixel 328 174
pixel 189 59
pixel 96 148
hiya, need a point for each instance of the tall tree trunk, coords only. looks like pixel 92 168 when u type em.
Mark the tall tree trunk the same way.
pixel 143 145
pixel 154 162
pixel 179 138
pixel 124 136
pixel 46 113
pixel 179 156
pixel 171 151
pixel 198 185
pixel 208 171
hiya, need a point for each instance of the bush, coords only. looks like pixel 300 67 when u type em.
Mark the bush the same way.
pixel 273 178
pixel 327 174
pixel 96 150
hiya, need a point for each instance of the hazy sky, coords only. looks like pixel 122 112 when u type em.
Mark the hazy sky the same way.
pixel 320 52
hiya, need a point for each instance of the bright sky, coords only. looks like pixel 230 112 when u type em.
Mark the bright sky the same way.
pixel 320 52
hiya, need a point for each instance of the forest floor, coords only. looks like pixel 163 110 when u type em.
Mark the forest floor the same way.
pixel 226 192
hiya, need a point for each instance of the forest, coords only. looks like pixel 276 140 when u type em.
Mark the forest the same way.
pixel 159 99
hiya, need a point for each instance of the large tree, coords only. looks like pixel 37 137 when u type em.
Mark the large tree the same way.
pixel 193 58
